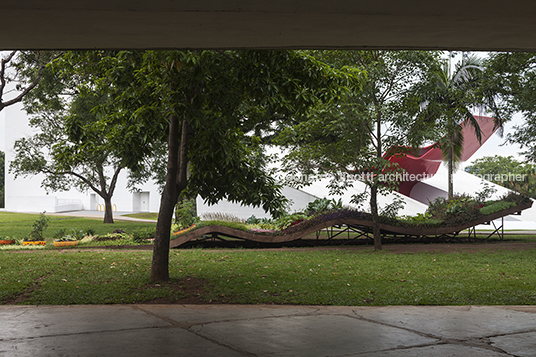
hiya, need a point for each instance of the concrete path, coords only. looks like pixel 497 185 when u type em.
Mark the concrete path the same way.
pixel 118 216
pixel 266 330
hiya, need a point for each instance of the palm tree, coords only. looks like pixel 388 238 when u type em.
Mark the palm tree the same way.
pixel 448 99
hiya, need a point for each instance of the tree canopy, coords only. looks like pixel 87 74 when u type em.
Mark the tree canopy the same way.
pixel 71 150
pixel 216 108
pixel 514 76
pixel 347 141
pixel 73 146
pixel 507 172
pixel 20 71
pixel 451 96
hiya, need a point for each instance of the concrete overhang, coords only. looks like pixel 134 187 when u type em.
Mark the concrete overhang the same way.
pixel 162 24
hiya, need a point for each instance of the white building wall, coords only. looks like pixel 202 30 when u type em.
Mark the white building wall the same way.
pixel 25 194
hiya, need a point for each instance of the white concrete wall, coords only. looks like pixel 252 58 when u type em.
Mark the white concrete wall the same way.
pixel 299 200
pixel 25 194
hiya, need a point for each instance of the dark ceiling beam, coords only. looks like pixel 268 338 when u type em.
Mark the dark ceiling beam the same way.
pixel 390 24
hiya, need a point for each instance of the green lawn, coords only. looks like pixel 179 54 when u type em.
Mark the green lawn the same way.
pixel 330 277
pixel 19 225
pixel 144 215
pixel 318 276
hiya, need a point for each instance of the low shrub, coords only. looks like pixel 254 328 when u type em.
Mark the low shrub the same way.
pixel 111 237
pixel 185 214
pixel 322 204
pixel 240 226
pixel 496 207
pixel 38 228
pixel 289 220
pixel 142 235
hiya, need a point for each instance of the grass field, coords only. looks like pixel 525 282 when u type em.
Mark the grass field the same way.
pixel 285 276
pixel 325 277
pixel 19 225
pixel 144 215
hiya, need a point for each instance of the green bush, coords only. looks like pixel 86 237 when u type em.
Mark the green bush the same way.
pixel 141 235
pixel 185 214
pixel 288 220
pixel 38 228
pixel 322 204
pixel 496 207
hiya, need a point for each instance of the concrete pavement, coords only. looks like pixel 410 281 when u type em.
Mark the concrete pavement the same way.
pixel 118 216
pixel 267 330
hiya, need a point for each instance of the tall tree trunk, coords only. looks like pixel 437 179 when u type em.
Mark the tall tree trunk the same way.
pixel 376 231
pixel 108 212
pixel 176 180
pixel 451 172
pixel 160 262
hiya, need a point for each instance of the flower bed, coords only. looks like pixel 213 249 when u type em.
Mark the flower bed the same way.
pixel 450 216
pixel 184 230
pixel 65 243
pixel 36 242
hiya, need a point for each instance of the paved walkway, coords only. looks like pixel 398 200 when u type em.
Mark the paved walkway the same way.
pixel 266 330
pixel 118 216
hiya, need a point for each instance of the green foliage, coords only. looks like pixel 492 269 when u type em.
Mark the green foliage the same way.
pixel 458 205
pixel 514 75
pixel 262 223
pixel 59 233
pixel 236 225
pixel 448 100
pixel 454 211
pixel 185 214
pixel 322 204
pixel 518 198
pixel 71 148
pixel 347 140
pixel 507 172
pixel 486 193
pixel 288 220
pixel 391 209
pixel 19 224
pixel 38 228
pixel 141 235
pixel 77 234
pixel 496 207
pixel 423 220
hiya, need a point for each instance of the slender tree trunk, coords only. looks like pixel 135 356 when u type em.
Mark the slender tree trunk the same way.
pixel 376 231
pixel 451 172
pixel 375 217
pixel 108 212
pixel 176 180
pixel 160 262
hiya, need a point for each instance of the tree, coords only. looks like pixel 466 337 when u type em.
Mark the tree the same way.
pixel 74 146
pixel 514 76
pixel 210 103
pixel 347 141
pixel 20 71
pixel 507 172
pixel 71 149
pixel 448 99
